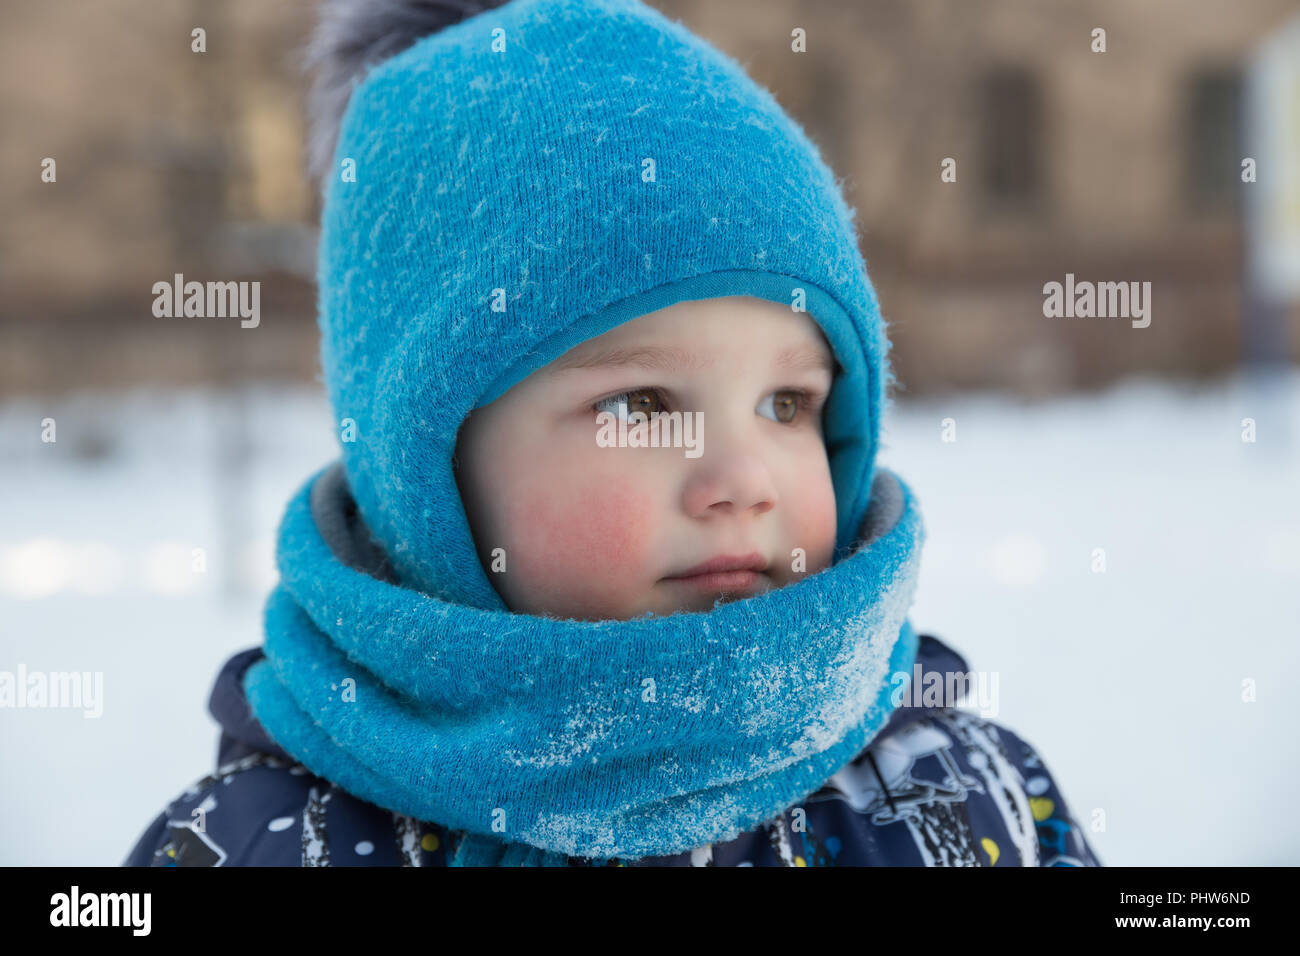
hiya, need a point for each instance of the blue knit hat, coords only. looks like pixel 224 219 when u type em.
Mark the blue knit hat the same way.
pixel 530 178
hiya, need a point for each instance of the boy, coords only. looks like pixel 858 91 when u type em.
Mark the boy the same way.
pixel 532 618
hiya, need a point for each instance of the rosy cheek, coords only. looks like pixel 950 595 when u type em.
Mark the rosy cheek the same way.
pixel 579 535
pixel 608 532
pixel 813 528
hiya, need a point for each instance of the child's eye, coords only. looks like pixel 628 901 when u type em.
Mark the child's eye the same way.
pixel 646 400
pixel 784 405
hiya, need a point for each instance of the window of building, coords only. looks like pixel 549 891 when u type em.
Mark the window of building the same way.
pixel 1213 138
pixel 1010 135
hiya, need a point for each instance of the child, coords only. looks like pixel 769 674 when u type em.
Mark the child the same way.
pixel 607 574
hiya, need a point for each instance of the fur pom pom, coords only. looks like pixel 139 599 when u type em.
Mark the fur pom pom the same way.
pixel 350 37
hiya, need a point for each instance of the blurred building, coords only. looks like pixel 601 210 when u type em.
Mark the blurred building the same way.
pixel 1114 166
pixel 1123 165
pixel 168 161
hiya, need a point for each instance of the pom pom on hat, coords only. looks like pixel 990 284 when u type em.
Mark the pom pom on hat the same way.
pixel 350 37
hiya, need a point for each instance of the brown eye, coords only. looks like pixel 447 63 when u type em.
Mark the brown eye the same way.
pixel 784 406
pixel 645 400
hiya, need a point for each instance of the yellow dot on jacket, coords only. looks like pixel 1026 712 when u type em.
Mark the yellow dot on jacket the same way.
pixel 992 850
pixel 800 861
pixel 429 842
pixel 1041 807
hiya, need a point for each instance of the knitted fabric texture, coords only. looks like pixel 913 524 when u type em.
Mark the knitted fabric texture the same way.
pixel 544 739
pixel 534 176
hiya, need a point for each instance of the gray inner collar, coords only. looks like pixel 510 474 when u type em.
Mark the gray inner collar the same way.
pixel 335 513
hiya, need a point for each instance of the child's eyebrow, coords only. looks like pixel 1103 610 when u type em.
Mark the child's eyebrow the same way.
pixel 805 357
pixel 667 358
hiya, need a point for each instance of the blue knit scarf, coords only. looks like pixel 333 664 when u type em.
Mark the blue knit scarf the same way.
pixel 545 738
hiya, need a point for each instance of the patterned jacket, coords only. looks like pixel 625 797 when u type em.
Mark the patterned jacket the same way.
pixel 936 787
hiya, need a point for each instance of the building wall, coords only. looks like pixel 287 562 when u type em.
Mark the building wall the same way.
pixel 174 161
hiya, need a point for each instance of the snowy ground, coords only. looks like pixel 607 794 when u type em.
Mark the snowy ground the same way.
pixel 1129 680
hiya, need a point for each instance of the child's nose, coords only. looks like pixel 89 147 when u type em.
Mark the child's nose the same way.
pixel 725 481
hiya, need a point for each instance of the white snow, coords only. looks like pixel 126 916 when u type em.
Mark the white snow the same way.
pixel 1129 682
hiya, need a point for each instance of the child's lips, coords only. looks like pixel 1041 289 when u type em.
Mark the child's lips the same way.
pixel 726 572
pixel 751 561
pixel 721 580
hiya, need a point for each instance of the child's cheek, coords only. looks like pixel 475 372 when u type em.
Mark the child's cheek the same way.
pixel 814 525
pixel 590 532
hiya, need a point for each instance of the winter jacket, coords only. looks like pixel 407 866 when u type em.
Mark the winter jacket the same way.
pixel 936 787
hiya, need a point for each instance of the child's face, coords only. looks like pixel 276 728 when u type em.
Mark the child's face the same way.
pixel 596 532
